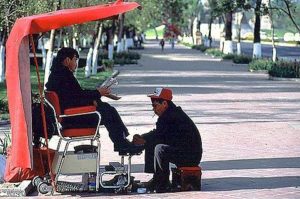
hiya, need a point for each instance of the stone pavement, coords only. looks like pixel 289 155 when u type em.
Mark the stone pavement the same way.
pixel 250 126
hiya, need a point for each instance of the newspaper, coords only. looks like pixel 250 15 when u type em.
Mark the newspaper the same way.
pixel 109 82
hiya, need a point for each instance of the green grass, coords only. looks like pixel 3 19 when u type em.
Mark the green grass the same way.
pixel 150 33
pixel 88 83
pixel 278 32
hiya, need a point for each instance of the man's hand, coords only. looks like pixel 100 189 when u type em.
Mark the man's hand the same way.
pixel 138 140
pixel 104 91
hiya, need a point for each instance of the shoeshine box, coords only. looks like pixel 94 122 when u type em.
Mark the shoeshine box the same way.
pixel 75 163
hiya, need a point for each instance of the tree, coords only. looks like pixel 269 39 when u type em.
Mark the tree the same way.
pixel 256 40
pixel 289 8
pixel 227 8
pixel 274 52
pixel 149 17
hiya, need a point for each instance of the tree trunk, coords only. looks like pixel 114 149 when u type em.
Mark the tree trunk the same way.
pixel 228 48
pixel 50 51
pixel 88 65
pixel 49 58
pixel 274 51
pixel 156 34
pixel 192 29
pixel 2 55
pixel 120 47
pixel 209 31
pixel 256 41
pixel 59 39
pixel 2 62
pixel 222 34
pixel 96 48
pixel 239 17
pixel 111 41
pixel 44 53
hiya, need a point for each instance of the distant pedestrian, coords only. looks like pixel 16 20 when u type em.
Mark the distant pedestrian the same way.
pixel 173 42
pixel 162 44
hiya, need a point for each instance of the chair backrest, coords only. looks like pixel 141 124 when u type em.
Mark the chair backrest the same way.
pixel 52 97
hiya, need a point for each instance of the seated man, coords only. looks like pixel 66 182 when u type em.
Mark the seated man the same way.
pixel 70 93
pixel 176 140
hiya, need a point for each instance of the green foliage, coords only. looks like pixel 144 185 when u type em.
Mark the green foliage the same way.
pixel 109 64
pixel 3 106
pixel 123 57
pixel 201 47
pixel 260 64
pixel 150 33
pixel 285 69
pixel 238 59
pixel 214 52
pixel 228 56
pixel 4 144
pixel 242 59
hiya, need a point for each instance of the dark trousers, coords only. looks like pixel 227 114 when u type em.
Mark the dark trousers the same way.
pixel 158 156
pixel 110 118
pixel 165 154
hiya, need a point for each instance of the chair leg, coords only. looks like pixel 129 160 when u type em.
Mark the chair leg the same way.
pixel 129 169
pixel 62 161
pixel 98 165
pixel 58 145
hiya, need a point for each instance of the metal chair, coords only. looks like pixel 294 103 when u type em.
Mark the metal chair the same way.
pixel 74 134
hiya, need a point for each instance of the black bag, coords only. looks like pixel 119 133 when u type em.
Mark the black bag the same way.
pixel 37 122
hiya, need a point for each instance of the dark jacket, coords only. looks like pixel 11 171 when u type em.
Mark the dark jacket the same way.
pixel 70 93
pixel 175 128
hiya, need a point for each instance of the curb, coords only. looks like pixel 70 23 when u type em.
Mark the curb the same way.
pixel 259 71
pixel 283 79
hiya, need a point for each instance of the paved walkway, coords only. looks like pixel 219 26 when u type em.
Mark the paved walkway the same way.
pixel 250 126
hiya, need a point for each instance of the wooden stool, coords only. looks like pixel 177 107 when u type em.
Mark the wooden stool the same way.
pixel 186 178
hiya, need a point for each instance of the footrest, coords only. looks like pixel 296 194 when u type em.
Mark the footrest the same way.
pixel 129 153
pixel 117 166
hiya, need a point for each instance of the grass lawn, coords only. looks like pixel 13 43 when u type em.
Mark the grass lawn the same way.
pixel 88 83
pixel 150 33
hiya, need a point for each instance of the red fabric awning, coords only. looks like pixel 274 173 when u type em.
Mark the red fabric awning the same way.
pixel 18 67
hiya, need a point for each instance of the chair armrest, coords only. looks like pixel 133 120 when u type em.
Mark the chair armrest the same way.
pixel 80 110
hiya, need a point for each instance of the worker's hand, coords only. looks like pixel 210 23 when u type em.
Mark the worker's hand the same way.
pixel 138 140
pixel 104 91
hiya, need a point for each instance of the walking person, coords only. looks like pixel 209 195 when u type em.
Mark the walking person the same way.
pixel 173 42
pixel 162 44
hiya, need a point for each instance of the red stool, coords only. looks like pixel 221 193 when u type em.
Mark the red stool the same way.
pixel 186 178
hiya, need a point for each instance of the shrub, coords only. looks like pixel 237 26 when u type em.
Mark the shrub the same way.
pixel 285 69
pixel 4 144
pixel 242 59
pixel 121 55
pixel 214 52
pixel 109 64
pixel 228 56
pixel 3 106
pixel 260 64
pixel 200 47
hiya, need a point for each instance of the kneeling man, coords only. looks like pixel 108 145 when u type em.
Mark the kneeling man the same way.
pixel 176 140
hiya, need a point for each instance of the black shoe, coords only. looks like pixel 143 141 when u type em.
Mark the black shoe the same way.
pixel 163 188
pixel 150 185
pixel 126 147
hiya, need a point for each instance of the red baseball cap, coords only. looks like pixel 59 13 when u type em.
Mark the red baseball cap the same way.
pixel 162 93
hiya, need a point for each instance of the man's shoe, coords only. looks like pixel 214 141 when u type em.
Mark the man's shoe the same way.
pixel 127 147
pixel 163 188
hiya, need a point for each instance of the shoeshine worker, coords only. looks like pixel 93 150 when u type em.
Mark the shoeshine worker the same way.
pixel 176 140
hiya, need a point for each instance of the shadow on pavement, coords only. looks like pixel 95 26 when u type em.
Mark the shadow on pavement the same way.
pixel 242 183
pixel 268 163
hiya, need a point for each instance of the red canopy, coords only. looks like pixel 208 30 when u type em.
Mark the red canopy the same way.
pixel 18 67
